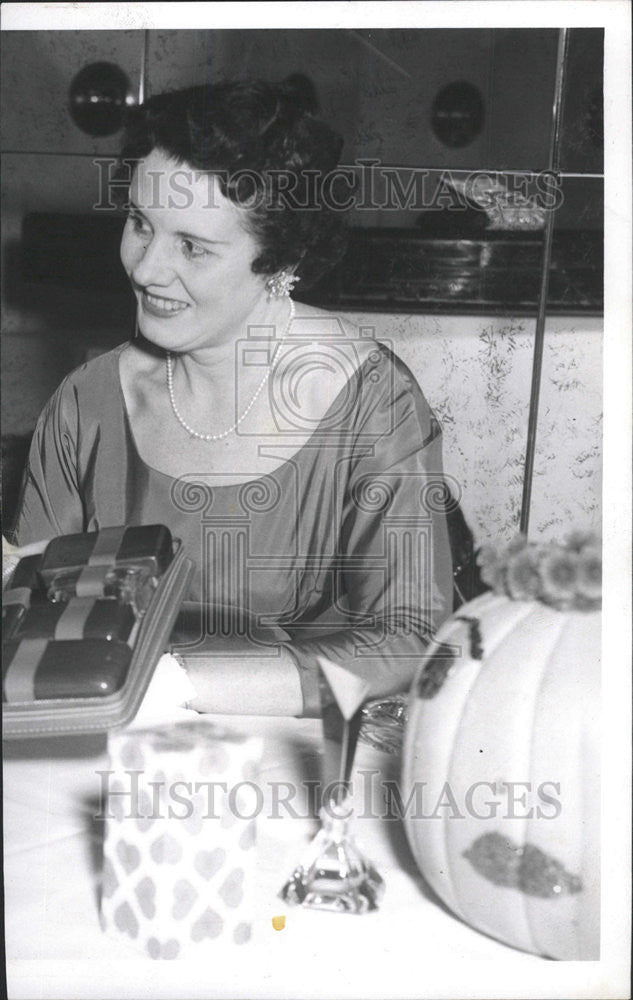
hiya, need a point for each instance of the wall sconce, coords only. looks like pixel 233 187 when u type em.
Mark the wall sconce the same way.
pixel 97 99
pixel 458 114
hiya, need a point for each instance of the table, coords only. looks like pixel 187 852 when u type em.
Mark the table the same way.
pixel 411 947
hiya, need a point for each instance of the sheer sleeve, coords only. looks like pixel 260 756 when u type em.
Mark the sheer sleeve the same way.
pixel 395 579
pixel 50 501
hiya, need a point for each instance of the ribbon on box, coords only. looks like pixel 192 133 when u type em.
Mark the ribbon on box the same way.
pixel 91 555
pixel 179 850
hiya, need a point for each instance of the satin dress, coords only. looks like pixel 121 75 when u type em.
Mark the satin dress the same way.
pixel 342 550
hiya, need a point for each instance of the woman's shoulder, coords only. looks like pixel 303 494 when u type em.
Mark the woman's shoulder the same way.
pixel 91 387
pixel 393 396
pixel 358 343
pixel 97 372
pixel 340 355
pixel 335 345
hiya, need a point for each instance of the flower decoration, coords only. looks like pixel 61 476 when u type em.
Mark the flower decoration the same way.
pixel 565 575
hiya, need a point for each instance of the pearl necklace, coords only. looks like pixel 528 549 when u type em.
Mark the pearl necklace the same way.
pixel 217 437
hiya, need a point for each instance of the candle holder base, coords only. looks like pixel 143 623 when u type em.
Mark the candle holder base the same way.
pixel 335 875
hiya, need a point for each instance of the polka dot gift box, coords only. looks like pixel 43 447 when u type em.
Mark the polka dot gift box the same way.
pixel 179 850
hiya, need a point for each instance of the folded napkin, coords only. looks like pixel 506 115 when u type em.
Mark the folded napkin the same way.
pixel 167 696
pixel 11 556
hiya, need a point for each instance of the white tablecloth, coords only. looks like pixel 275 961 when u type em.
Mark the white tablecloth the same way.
pixel 410 947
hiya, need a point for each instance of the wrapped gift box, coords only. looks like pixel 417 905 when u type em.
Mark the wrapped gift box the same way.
pixel 179 852
pixel 147 545
pixel 84 625
pixel 26 574
pixel 21 594
pixel 12 615
pixel 41 670
pixel 79 618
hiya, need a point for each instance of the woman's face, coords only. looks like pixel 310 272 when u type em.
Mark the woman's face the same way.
pixel 188 256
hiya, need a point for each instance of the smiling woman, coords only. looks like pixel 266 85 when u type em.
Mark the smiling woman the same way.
pixel 186 262
pixel 295 458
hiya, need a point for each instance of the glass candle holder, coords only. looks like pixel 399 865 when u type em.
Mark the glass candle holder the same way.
pixel 335 875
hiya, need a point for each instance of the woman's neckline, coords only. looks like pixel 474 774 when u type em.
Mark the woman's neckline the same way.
pixel 308 443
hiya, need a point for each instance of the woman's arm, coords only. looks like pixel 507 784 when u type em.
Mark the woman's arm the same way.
pixel 395 584
pixel 245 684
pixel 50 502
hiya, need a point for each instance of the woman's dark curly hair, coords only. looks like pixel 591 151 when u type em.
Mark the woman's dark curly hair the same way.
pixel 264 144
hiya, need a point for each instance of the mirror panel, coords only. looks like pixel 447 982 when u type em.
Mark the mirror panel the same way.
pixel 582 133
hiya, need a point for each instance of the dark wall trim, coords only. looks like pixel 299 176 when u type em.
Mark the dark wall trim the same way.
pixel 391 271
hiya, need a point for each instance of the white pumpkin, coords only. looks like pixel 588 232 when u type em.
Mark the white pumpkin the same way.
pixel 519 703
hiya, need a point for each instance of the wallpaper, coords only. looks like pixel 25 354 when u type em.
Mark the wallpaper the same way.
pixel 476 374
